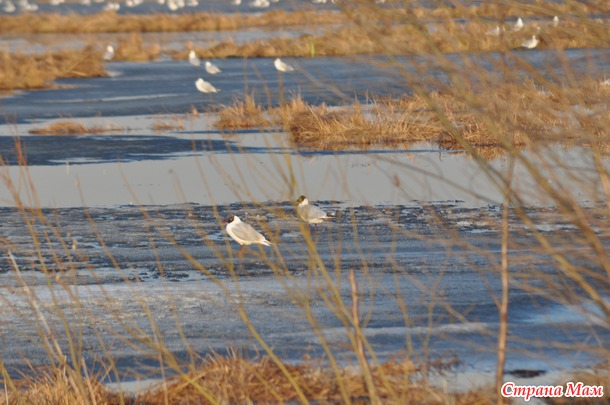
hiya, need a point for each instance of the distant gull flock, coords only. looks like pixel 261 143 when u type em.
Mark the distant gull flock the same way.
pixel 206 87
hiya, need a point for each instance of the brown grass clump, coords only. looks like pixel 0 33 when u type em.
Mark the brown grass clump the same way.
pixel 359 126
pixel 237 380
pixel 373 39
pixel 56 386
pixel 176 124
pixel 242 114
pixel 491 118
pixel 69 128
pixel 598 376
pixel 113 23
pixel 132 49
pixel 110 22
pixel 21 71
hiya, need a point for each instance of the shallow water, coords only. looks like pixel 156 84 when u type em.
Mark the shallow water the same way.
pixel 202 166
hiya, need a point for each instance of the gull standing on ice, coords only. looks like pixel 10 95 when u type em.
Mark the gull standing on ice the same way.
pixel 555 21
pixel 530 43
pixel 205 87
pixel 193 59
pixel 309 213
pixel 211 68
pixel 518 25
pixel 243 233
pixel 109 54
pixel 281 66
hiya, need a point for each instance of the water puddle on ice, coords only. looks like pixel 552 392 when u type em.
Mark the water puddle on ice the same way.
pixel 198 164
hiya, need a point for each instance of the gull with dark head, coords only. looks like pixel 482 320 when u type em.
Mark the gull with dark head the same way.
pixel 211 68
pixel 309 213
pixel 243 233
pixel 205 87
pixel 281 66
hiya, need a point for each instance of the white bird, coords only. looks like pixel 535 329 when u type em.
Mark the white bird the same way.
pixel 495 32
pixel 205 87
pixel 555 21
pixel 211 68
pixel 518 25
pixel 309 213
pixel 193 59
pixel 259 4
pixel 9 7
pixel 530 43
pixel 109 54
pixel 112 6
pixel 243 233
pixel 281 66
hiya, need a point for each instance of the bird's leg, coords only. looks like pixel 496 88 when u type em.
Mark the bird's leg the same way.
pixel 242 250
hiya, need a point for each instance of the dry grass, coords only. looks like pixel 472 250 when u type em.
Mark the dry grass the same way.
pixel 359 126
pixel 241 114
pixel 133 49
pixel 69 128
pixel 237 380
pixel 112 23
pixel 599 375
pixel 523 115
pixel 21 71
pixel 56 386
pixel 390 40
pixel 175 124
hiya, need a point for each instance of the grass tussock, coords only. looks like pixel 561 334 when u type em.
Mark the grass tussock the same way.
pixel 358 126
pixel 69 128
pixel 175 124
pixel 113 23
pixel 234 379
pixel 237 380
pixel 56 386
pixel 133 49
pixel 597 376
pixel 390 40
pixel 242 114
pixel 110 22
pixel 523 114
pixel 24 71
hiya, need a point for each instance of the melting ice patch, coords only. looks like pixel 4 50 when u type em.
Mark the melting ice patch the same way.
pixel 586 314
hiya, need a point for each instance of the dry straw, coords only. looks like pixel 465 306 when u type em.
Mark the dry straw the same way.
pixel 500 113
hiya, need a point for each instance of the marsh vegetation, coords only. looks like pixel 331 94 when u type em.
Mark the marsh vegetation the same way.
pixel 371 306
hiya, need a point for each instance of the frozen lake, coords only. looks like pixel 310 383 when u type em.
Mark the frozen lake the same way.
pixel 420 227
pixel 417 286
